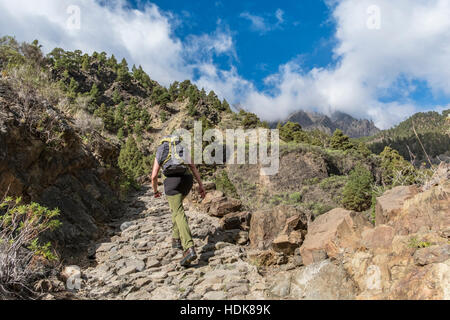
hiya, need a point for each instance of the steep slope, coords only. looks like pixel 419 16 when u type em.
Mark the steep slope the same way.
pixel 433 130
pixel 45 159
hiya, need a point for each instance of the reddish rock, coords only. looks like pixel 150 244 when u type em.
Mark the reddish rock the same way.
pixel 211 197
pixel 332 233
pixel 223 206
pixel 236 220
pixel 267 258
pixel 266 225
pixel 287 243
pixel 390 204
pixel 434 254
pixel 427 211
pixel 431 282
pixel 379 237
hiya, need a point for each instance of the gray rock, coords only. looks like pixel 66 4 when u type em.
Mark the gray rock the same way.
pixel 126 225
pixel 153 262
pixel 241 290
pixel 221 245
pixel 139 265
pixel 158 275
pixel 215 295
pixel 281 286
pixel 139 295
pixel 126 271
pixel 322 281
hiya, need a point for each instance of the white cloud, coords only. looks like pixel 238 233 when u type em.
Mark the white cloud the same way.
pixel 279 14
pixel 412 43
pixel 143 37
pixel 260 24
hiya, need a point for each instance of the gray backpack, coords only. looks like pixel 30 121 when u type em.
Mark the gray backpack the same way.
pixel 174 164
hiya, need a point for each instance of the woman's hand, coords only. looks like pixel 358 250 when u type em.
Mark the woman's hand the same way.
pixel 202 191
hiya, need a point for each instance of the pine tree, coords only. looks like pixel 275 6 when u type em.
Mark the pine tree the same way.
pixel 357 193
pixel 340 141
pixel 123 73
pixel 94 93
pixel 174 91
pixel 395 169
pixel 85 64
pixel 73 87
pixel 226 106
pixel 112 63
pixel 131 159
pixel 120 134
pixel 116 97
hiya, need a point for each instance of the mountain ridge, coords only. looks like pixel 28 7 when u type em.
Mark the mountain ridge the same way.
pixel 354 128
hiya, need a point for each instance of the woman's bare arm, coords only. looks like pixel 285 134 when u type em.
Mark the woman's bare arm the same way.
pixel 201 189
pixel 155 173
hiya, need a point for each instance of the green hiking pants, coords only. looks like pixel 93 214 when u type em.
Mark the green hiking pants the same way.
pixel 180 224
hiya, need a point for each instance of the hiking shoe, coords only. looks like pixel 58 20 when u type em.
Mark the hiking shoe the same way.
pixel 176 244
pixel 188 256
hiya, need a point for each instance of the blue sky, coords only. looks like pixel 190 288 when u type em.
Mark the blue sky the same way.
pixel 377 59
pixel 304 31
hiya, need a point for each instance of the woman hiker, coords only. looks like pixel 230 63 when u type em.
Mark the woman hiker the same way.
pixel 178 182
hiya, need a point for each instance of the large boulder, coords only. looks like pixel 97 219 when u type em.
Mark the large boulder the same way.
pixel 290 238
pixel 390 204
pixel 408 256
pixel 427 211
pixel 266 225
pixel 224 206
pixel 217 204
pixel 433 254
pixel 379 237
pixel 331 233
pixel 287 243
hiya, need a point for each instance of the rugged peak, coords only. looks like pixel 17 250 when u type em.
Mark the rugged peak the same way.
pixel 352 127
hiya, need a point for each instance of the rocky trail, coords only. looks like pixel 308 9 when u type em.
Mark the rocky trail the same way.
pixel 405 255
pixel 138 262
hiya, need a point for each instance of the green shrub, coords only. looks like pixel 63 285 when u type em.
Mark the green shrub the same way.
pixel 224 184
pixel 395 169
pixel 417 244
pixel 295 197
pixel 340 141
pixel 163 116
pixel 20 228
pixel 357 194
pixel 249 120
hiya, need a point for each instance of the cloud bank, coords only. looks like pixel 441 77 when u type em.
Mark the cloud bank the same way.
pixel 382 49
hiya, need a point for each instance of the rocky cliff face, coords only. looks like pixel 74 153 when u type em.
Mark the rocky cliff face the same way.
pixel 352 127
pixel 405 256
pixel 43 158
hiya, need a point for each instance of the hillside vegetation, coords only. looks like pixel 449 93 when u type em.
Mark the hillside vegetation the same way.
pixel 433 138
pixel 78 131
